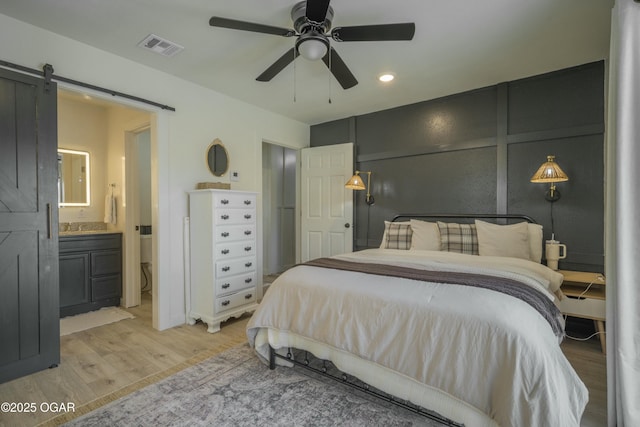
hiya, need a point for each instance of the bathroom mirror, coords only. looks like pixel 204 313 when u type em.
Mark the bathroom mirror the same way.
pixel 217 158
pixel 74 178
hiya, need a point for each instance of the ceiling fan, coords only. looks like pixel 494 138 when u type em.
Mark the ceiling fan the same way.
pixel 312 22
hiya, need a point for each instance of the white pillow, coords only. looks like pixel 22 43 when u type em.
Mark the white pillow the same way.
pixel 383 243
pixel 426 235
pixel 503 240
pixel 535 242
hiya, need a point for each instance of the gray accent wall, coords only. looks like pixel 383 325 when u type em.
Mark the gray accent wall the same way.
pixel 474 152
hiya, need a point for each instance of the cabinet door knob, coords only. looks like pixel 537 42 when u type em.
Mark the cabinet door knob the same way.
pixel 224 201
pixel 226 286
pixel 247 233
pixel 225 251
pixel 247 216
pixel 247 248
pixel 226 268
pixel 249 264
pixel 249 280
pixel 226 302
pixel 248 296
pixel 247 202
pixel 225 217
pixel 225 234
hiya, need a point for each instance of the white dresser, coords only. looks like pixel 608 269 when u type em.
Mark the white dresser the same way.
pixel 223 252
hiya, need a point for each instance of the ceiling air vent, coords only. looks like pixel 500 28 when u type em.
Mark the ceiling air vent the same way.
pixel 159 45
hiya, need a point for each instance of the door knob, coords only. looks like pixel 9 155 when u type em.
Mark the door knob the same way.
pixel 347 225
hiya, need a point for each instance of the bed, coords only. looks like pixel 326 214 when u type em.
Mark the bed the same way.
pixel 459 318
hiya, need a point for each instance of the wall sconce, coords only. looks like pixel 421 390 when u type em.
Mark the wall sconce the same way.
pixel 551 173
pixel 356 183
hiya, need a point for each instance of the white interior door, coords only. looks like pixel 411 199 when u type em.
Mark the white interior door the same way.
pixel 131 243
pixel 326 206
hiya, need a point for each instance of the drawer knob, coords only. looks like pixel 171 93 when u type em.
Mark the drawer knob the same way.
pixel 248 296
pixel 247 216
pixel 224 234
pixel 247 233
pixel 226 268
pixel 225 251
pixel 247 248
pixel 247 202
pixel 226 286
pixel 248 280
pixel 225 217
pixel 226 302
pixel 249 264
pixel 224 201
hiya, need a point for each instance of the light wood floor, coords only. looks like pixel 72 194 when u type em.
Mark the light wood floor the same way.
pixel 110 361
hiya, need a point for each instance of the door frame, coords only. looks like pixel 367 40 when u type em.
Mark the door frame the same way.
pixel 160 208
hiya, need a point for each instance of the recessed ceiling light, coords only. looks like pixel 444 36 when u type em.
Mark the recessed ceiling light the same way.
pixel 386 77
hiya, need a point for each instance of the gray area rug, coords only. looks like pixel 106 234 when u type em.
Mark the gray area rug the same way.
pixel 236 389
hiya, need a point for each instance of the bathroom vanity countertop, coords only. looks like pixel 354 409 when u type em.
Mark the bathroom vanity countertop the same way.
pixel 86 232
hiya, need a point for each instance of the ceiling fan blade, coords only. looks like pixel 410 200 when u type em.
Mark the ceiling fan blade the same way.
pixel 278 66
pixel 317 10
pixel 383 32
pixel 217 21
pixel 340 70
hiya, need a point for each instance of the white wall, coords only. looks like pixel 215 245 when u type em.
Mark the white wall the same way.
pixel 83 127
pixel 201 115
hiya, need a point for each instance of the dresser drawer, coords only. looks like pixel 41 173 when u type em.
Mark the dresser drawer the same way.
pixel 234 201
pixel 235 232
pixel 235 266
pixel 233 284
pixel 235 250
pixel 235 216
pixel 235 300
pixel 585 308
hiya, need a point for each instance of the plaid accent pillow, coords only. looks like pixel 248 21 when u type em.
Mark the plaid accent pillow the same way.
pixel 461 238
pixel 398 235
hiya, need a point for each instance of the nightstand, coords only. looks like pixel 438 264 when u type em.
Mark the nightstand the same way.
pixel 586 305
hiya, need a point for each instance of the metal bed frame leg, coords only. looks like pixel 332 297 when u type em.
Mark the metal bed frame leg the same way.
pixel 272 358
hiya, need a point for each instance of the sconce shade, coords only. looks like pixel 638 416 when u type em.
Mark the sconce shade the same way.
pixel 355 183
pixel 549 172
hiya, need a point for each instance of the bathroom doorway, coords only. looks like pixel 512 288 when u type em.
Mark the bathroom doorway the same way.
pixel 112 131
pixel 279 189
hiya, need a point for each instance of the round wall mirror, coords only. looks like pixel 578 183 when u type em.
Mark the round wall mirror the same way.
pixel 217 158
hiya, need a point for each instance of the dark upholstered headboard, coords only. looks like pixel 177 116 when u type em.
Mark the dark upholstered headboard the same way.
pixel 467 217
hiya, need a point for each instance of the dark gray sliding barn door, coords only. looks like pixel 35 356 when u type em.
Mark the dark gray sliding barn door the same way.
pixel 29 307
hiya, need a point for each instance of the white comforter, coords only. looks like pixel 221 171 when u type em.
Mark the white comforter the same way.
pixel 484 348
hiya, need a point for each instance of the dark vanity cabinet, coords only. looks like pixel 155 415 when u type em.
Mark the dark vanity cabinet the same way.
pixel 90 272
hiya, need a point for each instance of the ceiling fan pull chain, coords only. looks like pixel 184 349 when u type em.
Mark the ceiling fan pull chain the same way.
pixel 294 76
pixel 329 68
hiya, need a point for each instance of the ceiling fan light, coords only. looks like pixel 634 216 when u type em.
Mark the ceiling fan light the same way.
pixel 312 48
pixel 386 77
